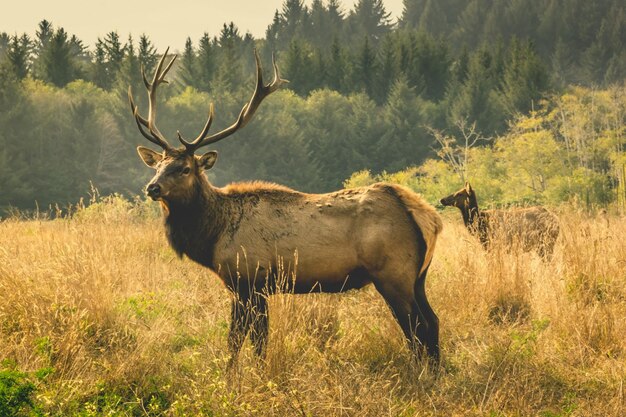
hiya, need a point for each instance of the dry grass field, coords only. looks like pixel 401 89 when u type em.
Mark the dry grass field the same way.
pixel 99 317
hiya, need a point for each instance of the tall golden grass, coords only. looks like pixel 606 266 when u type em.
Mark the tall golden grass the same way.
pixel 121 326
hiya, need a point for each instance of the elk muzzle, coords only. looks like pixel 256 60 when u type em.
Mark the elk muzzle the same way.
pixel 153 190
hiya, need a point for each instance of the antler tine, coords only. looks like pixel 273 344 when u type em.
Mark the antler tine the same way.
pixel 141 123
pixel 145 79
pixel 202 134
pixel 153 134
pixel 260 92
pixel 158 78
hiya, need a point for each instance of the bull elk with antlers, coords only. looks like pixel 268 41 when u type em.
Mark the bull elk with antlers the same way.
pixel 382 234
pixel 534 228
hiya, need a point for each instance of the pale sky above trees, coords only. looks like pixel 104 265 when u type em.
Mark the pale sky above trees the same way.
pixel 167 23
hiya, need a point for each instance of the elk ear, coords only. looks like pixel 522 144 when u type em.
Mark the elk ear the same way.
pixel 207 160
pixel 468 187
pixel 148 156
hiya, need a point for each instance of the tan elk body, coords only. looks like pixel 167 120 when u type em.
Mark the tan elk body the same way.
pixel 532 228
pixel 382 234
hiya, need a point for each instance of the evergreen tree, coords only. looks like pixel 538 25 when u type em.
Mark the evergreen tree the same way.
pixel 294 22
pixel 325 23
pixel 98 72
pixel 476 99
pixel 206 63
pixel 130 71
pixel 114 53
pixel 335 17
pixel 298 68
pixel 188 66
pixel 147 54
pixel 18 55
pixel 5 39
pixel 336 69
pixel 369 19
pixel 364 68
pixel 272 33
pixel 229 69
pixel 44 33
pixel 433 18
pixel 404 143
pixel 388 69
pixel 57 64
pixel 524 80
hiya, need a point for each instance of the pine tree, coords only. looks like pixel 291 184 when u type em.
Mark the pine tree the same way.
pixel 130 70
pixel 5 39
pixel 476 100
pixel 524 80
pixel 114 52
pixel 412 11
pixel 147 54
pixel 336 71
pixel 206 64
pixel 272 33
pixel 295 19
pixel 404 143
pixel 188 66
pixel 44 33
pixel 388 69
pixel 369 19
pixel 298 67
pixel 18 55
pixel 57 64
pixel 98 71
pixel 229 69
pixel 364 68
pixel 433 18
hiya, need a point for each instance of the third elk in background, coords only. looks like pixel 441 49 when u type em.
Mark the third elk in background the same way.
pixel 534 228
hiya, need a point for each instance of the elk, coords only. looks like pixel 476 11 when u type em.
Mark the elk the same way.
pixel 535 228
pixel 382 234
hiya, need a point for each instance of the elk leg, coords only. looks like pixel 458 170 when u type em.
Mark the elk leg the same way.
pixel 260 325
pixel 404 312
pixel 427 330
pixel 240 323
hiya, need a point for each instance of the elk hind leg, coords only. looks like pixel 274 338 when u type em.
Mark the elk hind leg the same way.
pixel 427 329
pixel 406 312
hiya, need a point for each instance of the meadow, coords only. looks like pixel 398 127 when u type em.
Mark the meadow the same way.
pixel 98 317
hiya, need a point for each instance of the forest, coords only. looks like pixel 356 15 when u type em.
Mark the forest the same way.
pixel 525 97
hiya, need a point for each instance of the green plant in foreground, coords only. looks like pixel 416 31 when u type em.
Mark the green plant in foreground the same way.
pixel 16 391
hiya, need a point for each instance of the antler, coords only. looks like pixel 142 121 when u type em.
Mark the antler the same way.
pixel 260 92
pixel 153 134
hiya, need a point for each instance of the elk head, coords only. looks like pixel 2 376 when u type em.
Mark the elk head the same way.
pixel 178 169
pixel 465 198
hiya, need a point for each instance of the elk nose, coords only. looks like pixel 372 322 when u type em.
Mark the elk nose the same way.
pixel 154 190
pixel 443 201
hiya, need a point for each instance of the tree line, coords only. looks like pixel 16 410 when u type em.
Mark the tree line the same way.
pixel 364 91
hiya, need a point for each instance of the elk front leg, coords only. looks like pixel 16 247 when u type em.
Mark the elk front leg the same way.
pixel 260 323
pixel 239 324
pixel 248 315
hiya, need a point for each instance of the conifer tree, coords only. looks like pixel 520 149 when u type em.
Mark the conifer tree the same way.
pixel 369 19
pixel 147 53
pixel 206 63
pixel 18 55
pixel 58 67
pixel 188 74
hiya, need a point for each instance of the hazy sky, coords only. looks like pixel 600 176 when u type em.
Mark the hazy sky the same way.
pixel 167 23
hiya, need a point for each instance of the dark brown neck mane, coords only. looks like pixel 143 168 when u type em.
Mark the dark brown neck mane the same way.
pixel 194 226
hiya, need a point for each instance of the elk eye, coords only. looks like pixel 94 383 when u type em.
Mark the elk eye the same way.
pixel 186 170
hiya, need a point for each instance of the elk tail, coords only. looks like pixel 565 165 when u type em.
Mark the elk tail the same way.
pixel 427 222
